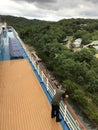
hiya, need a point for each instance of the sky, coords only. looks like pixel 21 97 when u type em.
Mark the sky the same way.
pixel 50 10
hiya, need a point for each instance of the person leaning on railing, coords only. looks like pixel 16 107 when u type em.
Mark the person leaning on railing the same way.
pixel 60 94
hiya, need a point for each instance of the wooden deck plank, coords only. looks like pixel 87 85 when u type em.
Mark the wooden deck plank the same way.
pixel 23 104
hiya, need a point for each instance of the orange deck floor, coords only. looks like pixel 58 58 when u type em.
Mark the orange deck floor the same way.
pixel 23 104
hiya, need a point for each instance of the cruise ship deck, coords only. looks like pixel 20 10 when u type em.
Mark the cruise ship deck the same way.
pixel 23 104
pixel 26 94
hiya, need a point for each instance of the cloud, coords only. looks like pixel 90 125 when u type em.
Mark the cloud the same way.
pixel 44 4
pixel 36 1
pixel 52 10
pixel 93 1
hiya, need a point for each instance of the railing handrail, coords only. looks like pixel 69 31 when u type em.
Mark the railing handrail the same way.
pixel 65 102
pixel 68 105
pixel 74 115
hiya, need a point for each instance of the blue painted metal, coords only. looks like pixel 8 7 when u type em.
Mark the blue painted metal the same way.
pixel 4 49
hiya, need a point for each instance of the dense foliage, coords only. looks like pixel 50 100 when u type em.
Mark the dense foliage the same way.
pixel 78 71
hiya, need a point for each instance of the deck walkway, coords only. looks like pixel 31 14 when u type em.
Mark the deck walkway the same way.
pixel 23 104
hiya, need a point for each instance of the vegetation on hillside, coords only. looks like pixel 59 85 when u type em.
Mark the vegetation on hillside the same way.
pixel 78 71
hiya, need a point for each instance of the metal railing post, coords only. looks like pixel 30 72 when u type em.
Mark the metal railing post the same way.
pixel 47 84
pixel 65 109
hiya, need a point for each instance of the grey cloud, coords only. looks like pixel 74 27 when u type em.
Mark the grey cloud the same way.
pixel 93 1
pixel 37 1
pixel 56 4
pixel 57 9
pixel 89 14
pixel 44 4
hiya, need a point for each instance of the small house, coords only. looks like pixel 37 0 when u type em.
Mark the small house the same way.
pixel 77 42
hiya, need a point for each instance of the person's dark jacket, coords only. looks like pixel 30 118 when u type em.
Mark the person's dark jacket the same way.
pixel 57 97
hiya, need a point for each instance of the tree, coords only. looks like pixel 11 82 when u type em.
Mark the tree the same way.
pixel 93 85
pixel 85 55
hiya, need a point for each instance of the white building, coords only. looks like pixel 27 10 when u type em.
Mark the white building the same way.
pixel 94 42
pixel 77 42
